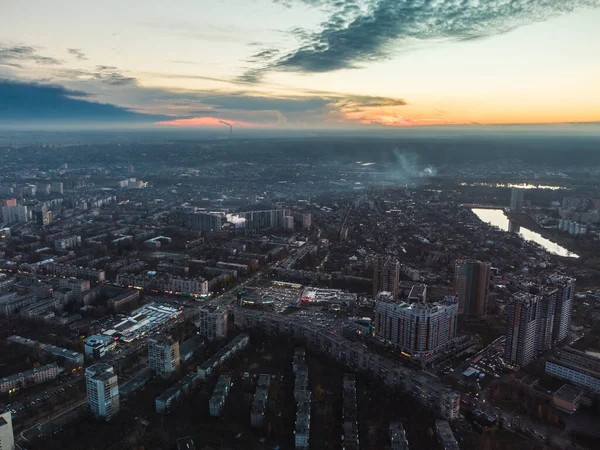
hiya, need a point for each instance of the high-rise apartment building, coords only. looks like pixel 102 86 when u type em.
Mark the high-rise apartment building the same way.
pixel 417 328
pixel 516 199
pixel 7 437
pixel 471 284
pixel 202 221
pixel 212 322
pixel 56 187
pixel 270 218
pixel 163 355
pixel 386 276
pixel 565 287
pixel 14 214
pixel 521 345
pixel 42 216
pixel 102 390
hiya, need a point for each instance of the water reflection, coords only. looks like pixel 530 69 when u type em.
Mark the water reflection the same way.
pixel 513 185
pixel 497 218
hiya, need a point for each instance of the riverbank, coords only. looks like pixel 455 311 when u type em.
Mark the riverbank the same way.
pixel 579 246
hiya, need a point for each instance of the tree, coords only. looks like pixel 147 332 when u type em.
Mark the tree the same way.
pixel 319 392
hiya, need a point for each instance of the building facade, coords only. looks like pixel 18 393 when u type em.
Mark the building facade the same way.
pixel 471 284
pixel 516 199
pixel 163 356
pixel 419 329
pixel 564 305
pixel 202 221
pixel 7 437
pixel 386 276
pixel 521 345
pixel 212 322
pixel 102 390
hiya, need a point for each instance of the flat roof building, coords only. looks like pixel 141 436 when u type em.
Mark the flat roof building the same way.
pixel 102 390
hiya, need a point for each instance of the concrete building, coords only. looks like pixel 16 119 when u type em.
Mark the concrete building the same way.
pixel 56 187
pixel 288 222
pixel 564 305
pixel 102 390
pixel 168 399
pixel 567 398
pixel 66 357
pixel 15 214
pixel 419 329
pixel 96 346
pixel 350 439
pixel 7 437
pixel 580 368
pixel 306 220
pixel 471 284
pixel 516 199
pixel 217 401
pixel 302 429
pixel 398 437
pixel 74 271
pixel 28 378
pixel 259 404
pixel 386 276
pixel 238 343
pixel 521 345
pixel 445 435
pixel 41 216
pixel 212 322
pixel 163 355
pixel 272 218
pixel 67 243
pixel 12 302
pixel 202 221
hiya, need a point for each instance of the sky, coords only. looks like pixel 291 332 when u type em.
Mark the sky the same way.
pixel 298 64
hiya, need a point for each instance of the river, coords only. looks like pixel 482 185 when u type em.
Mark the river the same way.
pixel 497 218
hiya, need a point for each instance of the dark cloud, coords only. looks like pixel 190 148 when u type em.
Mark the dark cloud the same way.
pixel 17 55
pixel 264 55
pixel 352 35
pixel 30 102
pixel 110 75
pixel 77 53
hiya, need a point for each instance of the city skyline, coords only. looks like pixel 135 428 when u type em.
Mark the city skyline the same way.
pixel 306 64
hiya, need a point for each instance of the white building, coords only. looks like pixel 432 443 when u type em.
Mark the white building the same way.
pixel 163 356
pixel 15 214
pixel 419 329
pixel 29 378
pixel 578 367
pixel 102 390
pixel 217 401
pixel 516 199
pixel 67 242
pixel 212 322
pixel 7 437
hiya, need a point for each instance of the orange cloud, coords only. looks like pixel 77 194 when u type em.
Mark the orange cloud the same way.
pixel 207 122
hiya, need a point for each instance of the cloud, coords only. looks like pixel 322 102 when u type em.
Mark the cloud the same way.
pixel 17 55
pixel 29 102
pixel 372 30
pixel 77 53
pixel 207 122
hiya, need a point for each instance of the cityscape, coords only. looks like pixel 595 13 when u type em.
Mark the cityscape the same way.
pixel 300 225
pixel 181 308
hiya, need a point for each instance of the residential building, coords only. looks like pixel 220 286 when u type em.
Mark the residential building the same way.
pixel 185 443
pixel 419 329
pixel 259 404
pixel 15 214
pixel 521 345
pixel 272 218
pixel 41 216
pixel 28 378
pixel 302 430
pixel 12 302
pixel 564 305
pixel 202 221
pixel 580 368
pixel 168 399
pixel 350 439
pixel 471 284
pixel 217 401
pixel 56 187
pixel 516 199
pixel 237 344
pixel 7 437
pixel 102 390
pixel 163 355
pixel 66 357
pixel 74 271
pixel 398 437
pixel 306 220
pixel 67 243
pixel 386 276
pixel 212 322
pixel 445 435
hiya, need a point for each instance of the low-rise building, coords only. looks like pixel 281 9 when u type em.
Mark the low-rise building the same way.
pixel 259 404
pixel 398 437
pixel 28 378
pixel 445 435
pixel 217 401
pixel 67 357
pixel 350 439
pixel 580 368
pixel 302 429
pixel 168 399
pixel 96 346
pixel 567 398
pixel 206 369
